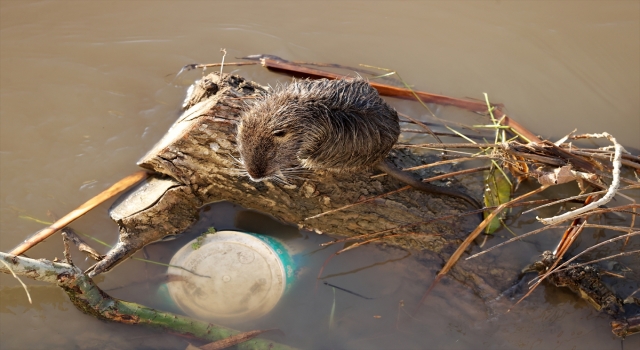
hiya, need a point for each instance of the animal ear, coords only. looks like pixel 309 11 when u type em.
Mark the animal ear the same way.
pixel 279 133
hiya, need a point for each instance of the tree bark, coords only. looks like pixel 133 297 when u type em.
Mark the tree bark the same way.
pixel 195 160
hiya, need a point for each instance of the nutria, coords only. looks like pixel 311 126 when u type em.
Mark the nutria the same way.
pixel 337 125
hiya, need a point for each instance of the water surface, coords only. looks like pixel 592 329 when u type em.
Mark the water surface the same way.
pixel 86 89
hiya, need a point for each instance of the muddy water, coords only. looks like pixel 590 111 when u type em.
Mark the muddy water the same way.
pixel 85 90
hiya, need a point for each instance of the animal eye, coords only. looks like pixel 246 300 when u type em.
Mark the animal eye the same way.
pixel 279 133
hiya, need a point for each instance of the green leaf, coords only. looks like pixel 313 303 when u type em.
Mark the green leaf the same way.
pixel 497 190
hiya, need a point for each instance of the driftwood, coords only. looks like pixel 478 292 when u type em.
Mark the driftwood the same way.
pixel 194 164
pixel 586 282
pixel 90 299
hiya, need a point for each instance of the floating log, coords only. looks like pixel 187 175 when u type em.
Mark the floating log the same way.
pixel 194 163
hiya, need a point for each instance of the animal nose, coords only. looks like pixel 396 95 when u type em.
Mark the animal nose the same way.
pixel 256 174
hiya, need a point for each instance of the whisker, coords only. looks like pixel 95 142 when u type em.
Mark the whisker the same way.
pixel 297 177
pixel 236 160
pixel 279 180
pixel 287 173
pixel 296 170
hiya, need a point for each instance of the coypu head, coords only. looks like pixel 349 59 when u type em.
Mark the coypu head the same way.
pixel 269 138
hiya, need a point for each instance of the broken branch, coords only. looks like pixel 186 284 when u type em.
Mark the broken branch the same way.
pixel 81 210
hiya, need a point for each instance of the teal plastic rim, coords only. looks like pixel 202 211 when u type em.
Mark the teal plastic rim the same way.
pixel 281 251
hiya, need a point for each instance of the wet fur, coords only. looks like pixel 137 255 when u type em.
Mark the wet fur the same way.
pixel 340 125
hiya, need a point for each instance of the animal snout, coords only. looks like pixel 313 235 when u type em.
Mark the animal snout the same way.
pixel 256 174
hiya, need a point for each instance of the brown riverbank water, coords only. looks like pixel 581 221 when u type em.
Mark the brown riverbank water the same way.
pixel 86 89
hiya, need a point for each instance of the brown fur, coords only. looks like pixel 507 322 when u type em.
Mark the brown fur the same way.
pixel 340 125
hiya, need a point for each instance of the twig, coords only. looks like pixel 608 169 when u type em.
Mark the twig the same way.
pixel 607 157
pixel 451 145
pixel 83 247
pixel 606 198
pixel 538 279
pixel 537 157
pixel 88 298
pixel 516 127
pixel 347 291
pixel 434 164
pixel 422 125
pixel 81 244
pixel 440 149
pixel 609 227
pixel 627 156
pixel 553 266
pixel 443 162
pixel 39 270
pixel 193 66
pixel 67 253
pixel 259 57
pixel 374 234
pixel 437 133
pixel 570 235
pixel 635 233
pixel 234 340
pixel 434 178
pixel 530 233
pixel 78 212
pixel 325 263
pixel 69 233
pixel 548 227
pixel 472 236
pixel 358 244
pixel 456 173
pixel 618 209
pixel 598 260
pixel 357 203
pixel 24 286
pixel 578 197
pixel 224 54
pixel 383 89
pixel 439 218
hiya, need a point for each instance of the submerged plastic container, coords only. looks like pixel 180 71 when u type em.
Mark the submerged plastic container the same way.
pixel 233 276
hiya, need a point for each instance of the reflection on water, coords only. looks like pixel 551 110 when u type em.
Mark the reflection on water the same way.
pixel 84 93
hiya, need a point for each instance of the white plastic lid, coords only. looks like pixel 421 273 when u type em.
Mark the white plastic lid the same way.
pixel 236 277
